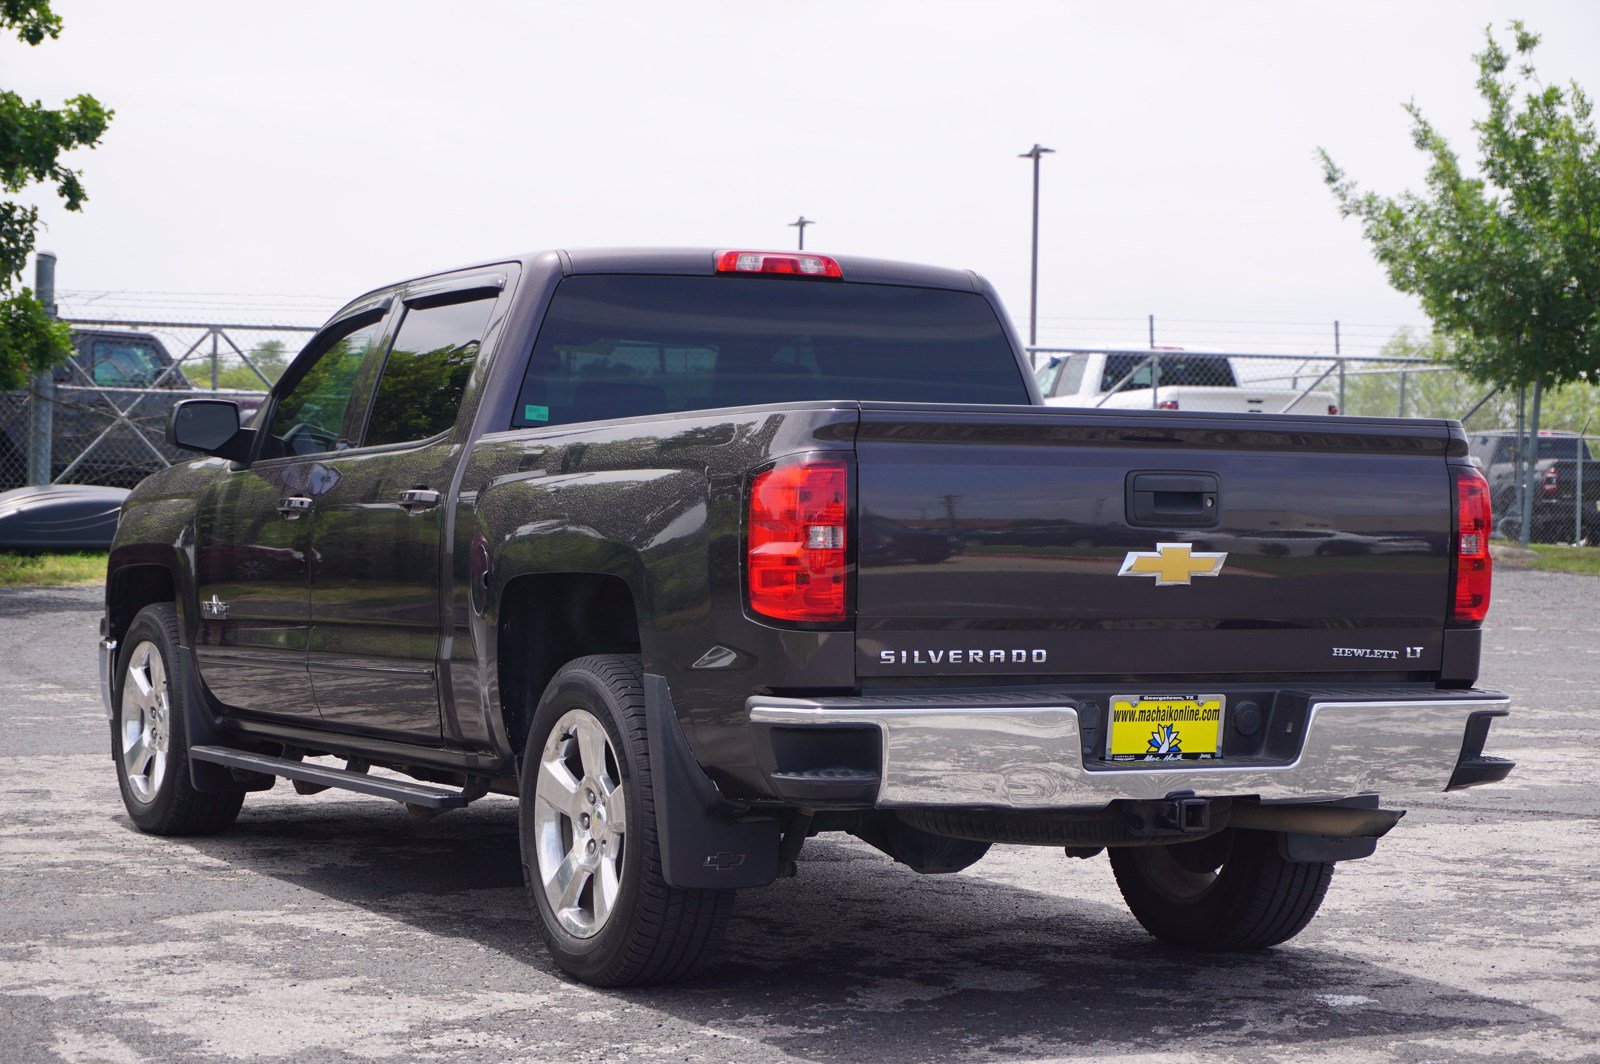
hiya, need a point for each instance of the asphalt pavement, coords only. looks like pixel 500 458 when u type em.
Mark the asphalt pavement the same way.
pixel 340 928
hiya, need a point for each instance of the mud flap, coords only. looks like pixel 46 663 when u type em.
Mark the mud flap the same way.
pixel 702 846
pixel 1312 847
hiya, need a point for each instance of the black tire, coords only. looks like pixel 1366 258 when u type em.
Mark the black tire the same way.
pixel 164 802
pixel 1230 892
pixel 654 933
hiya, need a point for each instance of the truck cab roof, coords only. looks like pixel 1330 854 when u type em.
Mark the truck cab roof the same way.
pixel 698 262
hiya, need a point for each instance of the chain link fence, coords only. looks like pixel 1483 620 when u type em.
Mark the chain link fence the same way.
pixel 1563 490
pixel 1364 385
pixel 105 411
pixel 1564 505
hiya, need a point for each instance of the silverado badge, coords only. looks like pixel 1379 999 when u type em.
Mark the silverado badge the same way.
pixel 1172 563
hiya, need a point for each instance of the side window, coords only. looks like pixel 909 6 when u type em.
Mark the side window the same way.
pixel 427 370
pixel 310 416
pixel 1119 366
pixel 125 364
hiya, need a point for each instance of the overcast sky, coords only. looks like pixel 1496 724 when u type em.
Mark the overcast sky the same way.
pixel 320 149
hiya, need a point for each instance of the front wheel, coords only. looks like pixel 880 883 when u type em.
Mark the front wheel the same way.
pixel 590 856
pixel 1232 891
pixel 151 742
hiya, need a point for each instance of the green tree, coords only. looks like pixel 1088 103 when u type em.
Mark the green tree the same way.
pixel 1505 261
pixel 271 357
pixel 1374 390
pixel 32 140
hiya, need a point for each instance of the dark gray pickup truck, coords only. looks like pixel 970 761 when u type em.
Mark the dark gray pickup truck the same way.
pixel 699 554
pixel 1566 484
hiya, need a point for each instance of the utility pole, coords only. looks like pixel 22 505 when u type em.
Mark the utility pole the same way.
pixel 1035 153
pixel 41 422
pixel 1338 353
pixel 800 223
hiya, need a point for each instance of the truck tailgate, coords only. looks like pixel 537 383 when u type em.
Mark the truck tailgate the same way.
pixel 997 536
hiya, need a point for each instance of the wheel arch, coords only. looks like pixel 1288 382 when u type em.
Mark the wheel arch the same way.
pixel 134 583
pixel 544 620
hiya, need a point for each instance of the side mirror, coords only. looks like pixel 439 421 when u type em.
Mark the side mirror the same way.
pixel 210 426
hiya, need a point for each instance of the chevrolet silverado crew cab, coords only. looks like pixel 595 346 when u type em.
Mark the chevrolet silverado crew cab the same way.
pixel 699 554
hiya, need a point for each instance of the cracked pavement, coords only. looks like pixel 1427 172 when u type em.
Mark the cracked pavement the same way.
pixel 339 928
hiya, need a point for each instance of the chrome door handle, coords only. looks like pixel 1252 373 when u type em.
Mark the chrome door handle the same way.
pixel 294 506
pixel 416 500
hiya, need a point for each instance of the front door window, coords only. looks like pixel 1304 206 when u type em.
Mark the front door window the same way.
pixel 310 416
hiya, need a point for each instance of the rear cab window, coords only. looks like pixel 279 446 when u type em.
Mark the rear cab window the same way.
pixel 1171 369
pixel 629 345
pixel 1562 447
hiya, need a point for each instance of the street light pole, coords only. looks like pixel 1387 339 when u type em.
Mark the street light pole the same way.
pixel 1036 153
pixel 800 223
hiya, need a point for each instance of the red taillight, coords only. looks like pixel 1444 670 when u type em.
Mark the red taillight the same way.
pixel 787 262
pixel 1473 566
pixel 1167 404
pixel 796 541
pixel 1333 409
pixel 1552 481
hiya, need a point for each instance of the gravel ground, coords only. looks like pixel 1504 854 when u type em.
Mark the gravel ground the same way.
pixel 338 928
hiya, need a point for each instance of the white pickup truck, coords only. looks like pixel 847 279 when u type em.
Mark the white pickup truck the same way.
pixel 1183 380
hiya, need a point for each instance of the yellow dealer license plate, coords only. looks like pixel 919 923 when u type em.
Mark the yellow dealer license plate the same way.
pixel 1165 727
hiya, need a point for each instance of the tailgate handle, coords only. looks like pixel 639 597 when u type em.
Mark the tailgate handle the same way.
pixel 1162 499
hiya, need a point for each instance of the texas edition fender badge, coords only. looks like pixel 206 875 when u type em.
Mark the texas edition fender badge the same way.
pixel 1172 563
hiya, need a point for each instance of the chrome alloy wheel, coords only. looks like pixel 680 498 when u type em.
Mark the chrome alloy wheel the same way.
pixel 146 722
pixel 580 823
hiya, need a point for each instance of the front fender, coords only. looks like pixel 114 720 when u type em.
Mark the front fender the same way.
pixel 157 529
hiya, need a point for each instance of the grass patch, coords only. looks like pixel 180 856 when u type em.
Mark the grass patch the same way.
pixel 1564 559
pixel 52 570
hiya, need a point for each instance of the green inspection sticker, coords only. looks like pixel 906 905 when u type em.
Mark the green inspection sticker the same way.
pixel 535 413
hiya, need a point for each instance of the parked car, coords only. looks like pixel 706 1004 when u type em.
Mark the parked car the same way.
pixel 1558 512
pixel 677 547
pixel 113 359
pixel 1167 379
pixel 57 517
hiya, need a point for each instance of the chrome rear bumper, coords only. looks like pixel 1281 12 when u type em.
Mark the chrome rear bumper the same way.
pixel 1010 753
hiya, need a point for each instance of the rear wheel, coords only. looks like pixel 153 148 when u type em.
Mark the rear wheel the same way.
pixel 1231 891
pixel 150 742
pixel 590 856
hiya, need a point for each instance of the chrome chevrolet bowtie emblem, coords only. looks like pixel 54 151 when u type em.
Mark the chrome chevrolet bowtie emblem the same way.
pixel 1172 563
